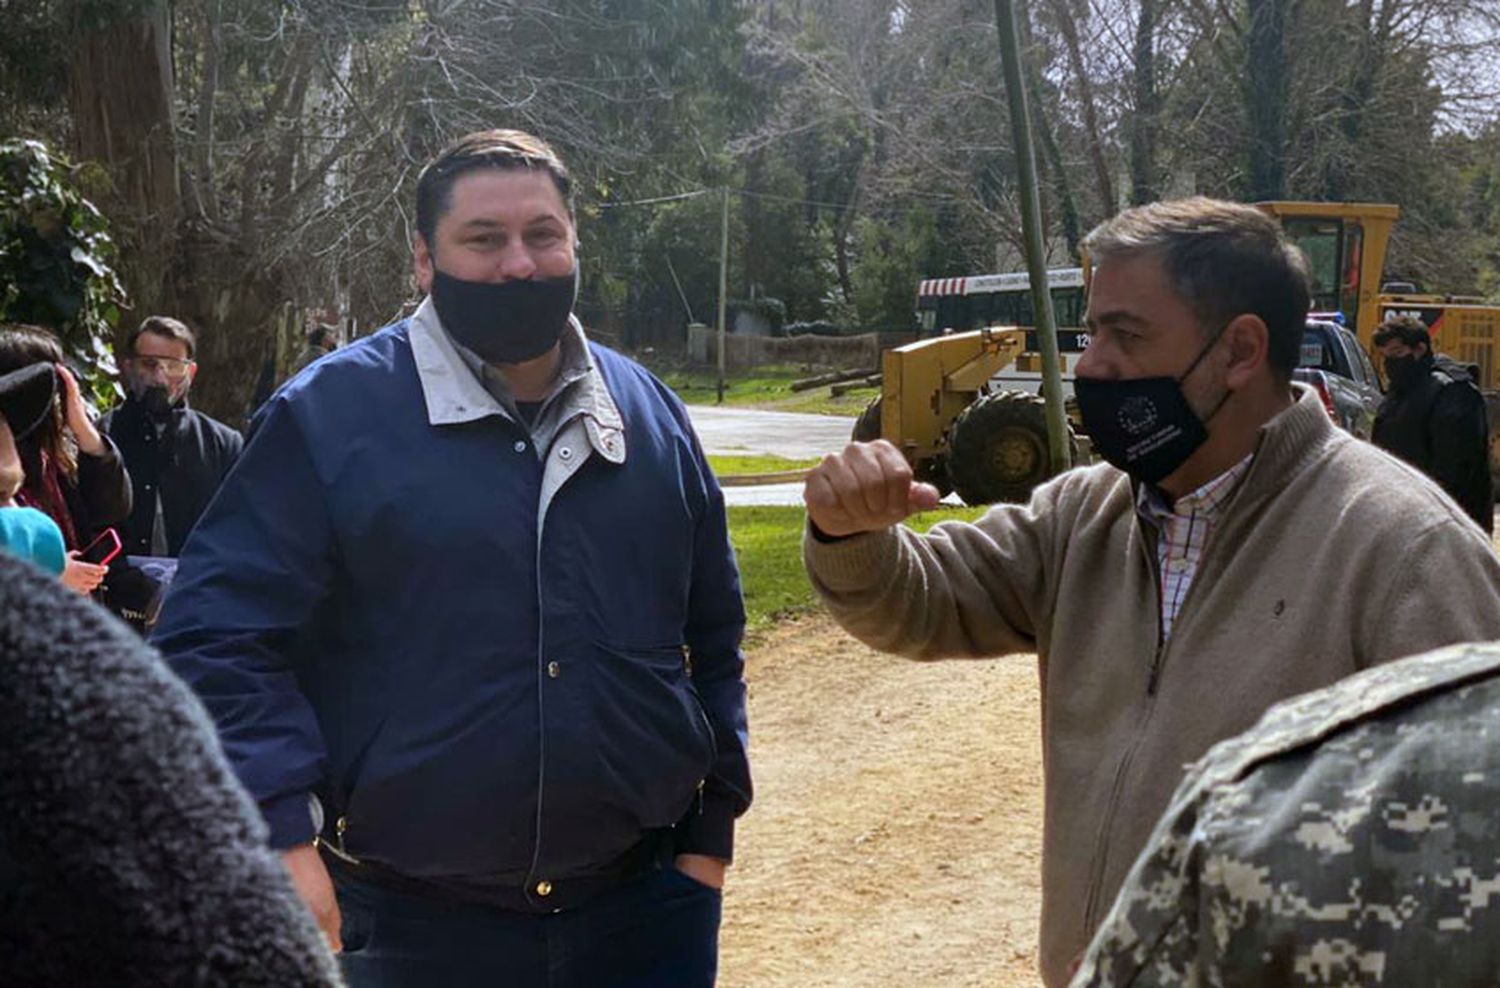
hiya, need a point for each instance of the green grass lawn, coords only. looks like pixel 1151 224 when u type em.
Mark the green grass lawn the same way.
pixel 768 544
pixel 739 465
pixel 766 387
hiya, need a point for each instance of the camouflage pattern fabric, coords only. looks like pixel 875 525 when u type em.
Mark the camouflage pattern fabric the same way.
pixel 1350 838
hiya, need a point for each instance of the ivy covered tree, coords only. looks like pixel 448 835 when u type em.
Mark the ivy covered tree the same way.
pixel 57 260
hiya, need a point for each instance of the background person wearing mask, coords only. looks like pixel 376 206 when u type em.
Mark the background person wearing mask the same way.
pixel 1433 417
pixel 177 456
pixel 1235 549
pixel 74 473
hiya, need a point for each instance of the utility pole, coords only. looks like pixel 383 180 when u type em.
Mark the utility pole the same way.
pixel 1031 229
pixel 723 283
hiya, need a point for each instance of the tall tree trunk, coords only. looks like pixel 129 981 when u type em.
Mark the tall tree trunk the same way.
pixel 1266 96
pixel 120 91
pixel 1050 162
pixel 1143 171
pixel 1068 25
pixel 843 228
pixel 1061 186
pixel 206 198
pixel 1354 101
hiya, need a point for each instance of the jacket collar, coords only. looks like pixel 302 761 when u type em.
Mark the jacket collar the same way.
pixel 453 393
pixel 1287 443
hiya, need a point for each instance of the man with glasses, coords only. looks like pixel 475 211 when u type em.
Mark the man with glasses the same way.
pixel 176 455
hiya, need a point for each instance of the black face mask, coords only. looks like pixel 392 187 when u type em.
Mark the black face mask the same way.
pixel 156 399
pixel 1404 372
pixel 507 322
pixel 1144 425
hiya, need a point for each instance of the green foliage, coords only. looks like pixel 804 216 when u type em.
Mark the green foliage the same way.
pixel 57 261
pixel 765 387
pixel 749 464
pixel 768 546
pixel 893 258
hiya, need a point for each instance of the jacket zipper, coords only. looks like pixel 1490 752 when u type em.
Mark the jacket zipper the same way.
pixel 1122 770
pixel 541 676
pixel 1153 682
pixel 541 639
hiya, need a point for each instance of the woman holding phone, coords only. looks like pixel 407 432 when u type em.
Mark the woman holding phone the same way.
pixel 74 474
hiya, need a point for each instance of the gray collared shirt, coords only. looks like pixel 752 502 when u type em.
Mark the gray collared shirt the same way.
pixel 578 419
pixel 559 405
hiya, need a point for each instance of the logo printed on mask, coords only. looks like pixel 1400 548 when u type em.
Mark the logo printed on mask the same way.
pixel 1144 425
pixel 1137 415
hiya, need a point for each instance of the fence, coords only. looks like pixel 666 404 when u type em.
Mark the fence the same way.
pixel 741 352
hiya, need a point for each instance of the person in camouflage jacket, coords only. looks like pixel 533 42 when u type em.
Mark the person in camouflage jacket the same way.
pixel 1350 838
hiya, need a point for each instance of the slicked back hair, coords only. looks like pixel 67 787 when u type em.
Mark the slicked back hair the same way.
pixel 502 150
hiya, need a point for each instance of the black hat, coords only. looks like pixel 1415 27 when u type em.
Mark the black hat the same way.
pixel 26 397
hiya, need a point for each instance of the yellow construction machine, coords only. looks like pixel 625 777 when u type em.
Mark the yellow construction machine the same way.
pixel 945 403
pixel 1346 245
pixel 936 406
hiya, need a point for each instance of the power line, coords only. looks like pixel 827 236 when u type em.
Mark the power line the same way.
pixel 771 196
pixel 714 191
pixel 659 199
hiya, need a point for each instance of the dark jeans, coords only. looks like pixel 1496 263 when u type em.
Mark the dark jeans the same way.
pixel 659 929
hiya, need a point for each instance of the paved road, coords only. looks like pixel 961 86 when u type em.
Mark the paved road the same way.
pixel 743 430
pixel 746 430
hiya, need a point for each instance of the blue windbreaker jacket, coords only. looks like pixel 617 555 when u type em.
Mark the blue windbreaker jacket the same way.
pixel 380 611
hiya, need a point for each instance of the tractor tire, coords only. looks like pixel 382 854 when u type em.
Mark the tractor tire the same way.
pixel 931 470
pixel 867 426
pixel 998 449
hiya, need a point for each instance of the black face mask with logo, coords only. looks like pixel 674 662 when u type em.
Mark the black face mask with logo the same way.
pixel 506 322
pixel 1144 425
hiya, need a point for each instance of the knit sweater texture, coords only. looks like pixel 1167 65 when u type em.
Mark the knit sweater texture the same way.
pixel 129 854
pixel 1330 558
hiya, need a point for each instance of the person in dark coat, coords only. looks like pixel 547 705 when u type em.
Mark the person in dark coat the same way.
pixel 1433 417
pixel 129 855
pixel 176 455
pixel 74 473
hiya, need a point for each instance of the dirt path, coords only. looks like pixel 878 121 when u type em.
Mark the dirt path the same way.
pixel 896 834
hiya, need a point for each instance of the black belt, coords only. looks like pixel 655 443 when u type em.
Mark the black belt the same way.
pixel 539 895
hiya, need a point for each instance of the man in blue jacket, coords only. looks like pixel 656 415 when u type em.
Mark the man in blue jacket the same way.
pixel 468 619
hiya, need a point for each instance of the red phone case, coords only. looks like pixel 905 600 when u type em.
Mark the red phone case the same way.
pixel 109 537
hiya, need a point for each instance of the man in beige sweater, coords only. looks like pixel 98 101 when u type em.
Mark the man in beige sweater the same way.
pixel 1236 549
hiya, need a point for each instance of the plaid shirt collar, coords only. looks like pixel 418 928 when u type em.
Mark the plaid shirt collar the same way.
pixel 1207 501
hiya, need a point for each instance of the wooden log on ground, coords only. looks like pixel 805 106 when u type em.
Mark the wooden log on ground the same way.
pixel 833 377
pixel 844 387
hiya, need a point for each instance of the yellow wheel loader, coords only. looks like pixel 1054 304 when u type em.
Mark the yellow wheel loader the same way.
pixel 936 406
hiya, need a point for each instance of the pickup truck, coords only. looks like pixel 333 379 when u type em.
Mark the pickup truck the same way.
pixel 1337 367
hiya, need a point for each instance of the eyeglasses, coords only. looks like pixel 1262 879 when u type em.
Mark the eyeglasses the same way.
pixel 173 368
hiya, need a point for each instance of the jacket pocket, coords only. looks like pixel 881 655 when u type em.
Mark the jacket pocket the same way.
pixel 655 741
